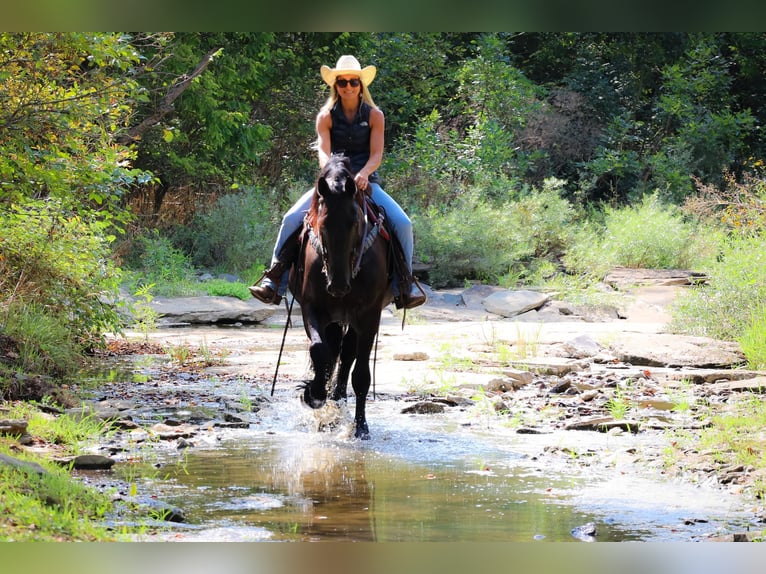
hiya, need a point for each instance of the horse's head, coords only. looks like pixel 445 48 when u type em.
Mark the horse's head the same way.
pixel 338 223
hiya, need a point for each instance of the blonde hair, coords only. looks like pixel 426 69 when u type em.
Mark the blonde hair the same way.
pixel 333 98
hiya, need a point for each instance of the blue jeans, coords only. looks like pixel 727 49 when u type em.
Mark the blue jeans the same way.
pixel 398 221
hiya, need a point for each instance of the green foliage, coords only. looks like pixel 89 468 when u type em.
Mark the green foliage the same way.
pixel 753 340
pixel 46 344
pixel 155 260
pixel 724 308
pixel 477 239
pixel 63 100
pixel 237 232
pixel 222 288
pixel 58 264
pixel 50 506
pixel 72 432
pixel 651 234
pixel 144 316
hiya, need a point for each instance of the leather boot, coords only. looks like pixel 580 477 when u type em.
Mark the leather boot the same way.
pixel 287 256
pixel 266 293
pixel 410 297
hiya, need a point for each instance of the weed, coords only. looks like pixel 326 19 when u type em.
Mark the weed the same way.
pixel 144 316
pixel 683 397
pixel 246 402
pixel 526 344
pixel 452 360
pixel 618 404
pixel 67 431
pixel 211 357
pixel 180 353
pixel 753 340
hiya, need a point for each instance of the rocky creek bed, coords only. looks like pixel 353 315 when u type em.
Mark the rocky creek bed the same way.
pixel 592 389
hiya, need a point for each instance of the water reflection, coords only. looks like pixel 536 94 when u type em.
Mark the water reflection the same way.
pixel 316 486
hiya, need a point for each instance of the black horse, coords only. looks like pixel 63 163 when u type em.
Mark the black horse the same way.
pixel 342 283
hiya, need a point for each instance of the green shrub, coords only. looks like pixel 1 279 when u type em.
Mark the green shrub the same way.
pixel 236 233
pixel 156 260
pixel 479 239
pixel 59 265
pixel 753 340
pixel 45 342
pixel 649 235
pixel 724 308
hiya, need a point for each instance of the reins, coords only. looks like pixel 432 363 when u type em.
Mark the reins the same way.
pixel 282 346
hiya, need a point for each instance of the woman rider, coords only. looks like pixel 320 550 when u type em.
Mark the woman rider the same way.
pixel 351 124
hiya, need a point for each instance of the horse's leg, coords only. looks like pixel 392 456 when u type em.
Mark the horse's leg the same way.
pixel 347 356
pixel 360 380
pixel 324 350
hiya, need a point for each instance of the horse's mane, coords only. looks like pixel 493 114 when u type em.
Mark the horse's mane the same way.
pixel 336 162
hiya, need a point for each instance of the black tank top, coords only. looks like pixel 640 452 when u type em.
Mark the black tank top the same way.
pixel 352 139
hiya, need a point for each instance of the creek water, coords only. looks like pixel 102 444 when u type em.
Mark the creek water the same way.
pixel 298 474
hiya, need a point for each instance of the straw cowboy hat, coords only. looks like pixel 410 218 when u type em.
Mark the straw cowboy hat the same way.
pixel 348 65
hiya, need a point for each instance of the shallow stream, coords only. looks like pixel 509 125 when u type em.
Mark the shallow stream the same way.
pixel 297 474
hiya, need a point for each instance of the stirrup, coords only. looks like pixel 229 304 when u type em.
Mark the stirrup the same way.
pixel 415 298
pixel 265 294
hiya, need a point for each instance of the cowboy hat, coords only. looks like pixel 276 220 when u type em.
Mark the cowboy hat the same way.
pixel 348 65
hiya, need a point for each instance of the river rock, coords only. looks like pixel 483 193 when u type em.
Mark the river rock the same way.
pixel 202 310
pixel 21 464
pixel 424 408
pixel 13 427
pixel 603 424
pixel 92 462
pixel 623 278
pixel 754 385
pixel 513 303
pixel 512 379
pixel 168 432
pixel 581 347
pixel 586 532
pixel 666 350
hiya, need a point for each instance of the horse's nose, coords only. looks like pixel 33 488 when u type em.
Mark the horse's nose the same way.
pixel 338 289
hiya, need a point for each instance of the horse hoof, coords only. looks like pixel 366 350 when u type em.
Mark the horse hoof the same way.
pixel 312 401
pixel 362 432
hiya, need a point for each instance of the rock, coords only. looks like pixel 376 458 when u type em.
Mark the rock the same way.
pixel 666 350
pixel 196 310
pixel 411 356
pixel 513 303
pixel 512 379
pixel 553 366
pixel 582 346
pixel 586 532
pixel 754 385
pixel 474 296
pixel 92 462
pixel 603 424
pixel 228 277
pixel 424 408
pixel 167 432
pixel 622 278
pixel 13 427
pixel 21 464
pixel 157 509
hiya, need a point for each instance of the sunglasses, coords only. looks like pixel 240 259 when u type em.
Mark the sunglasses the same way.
pixel 343 82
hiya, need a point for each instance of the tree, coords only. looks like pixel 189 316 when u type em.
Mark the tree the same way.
pixel 64 101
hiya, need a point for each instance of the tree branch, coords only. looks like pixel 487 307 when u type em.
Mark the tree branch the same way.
pixel 166 105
